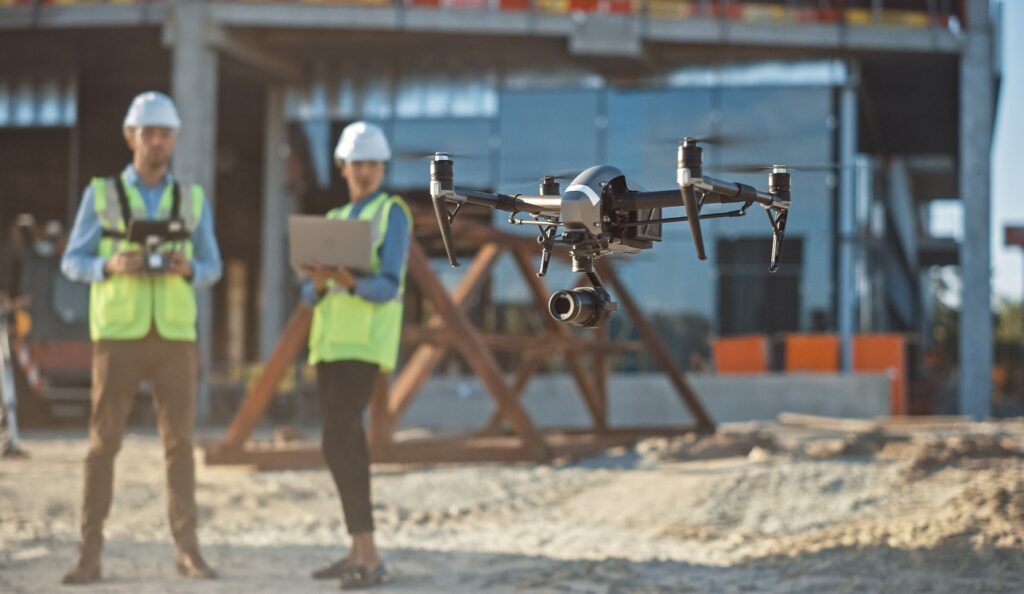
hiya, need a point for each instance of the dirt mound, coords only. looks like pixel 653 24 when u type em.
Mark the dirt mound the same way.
pixel 722 444
pixel 993 513
pixel 932 455
pixel 861 443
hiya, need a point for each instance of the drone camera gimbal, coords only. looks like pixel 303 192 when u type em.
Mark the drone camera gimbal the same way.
pixel 600 213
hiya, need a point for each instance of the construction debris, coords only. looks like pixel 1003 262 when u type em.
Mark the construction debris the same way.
pixel 939 511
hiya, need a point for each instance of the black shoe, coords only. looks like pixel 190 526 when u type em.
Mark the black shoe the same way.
pixel 192 565
pixel 334 570
pixel 361 578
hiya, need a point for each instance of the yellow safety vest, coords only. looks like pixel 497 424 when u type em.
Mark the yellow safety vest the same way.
pixel 347 327
pixel 124 307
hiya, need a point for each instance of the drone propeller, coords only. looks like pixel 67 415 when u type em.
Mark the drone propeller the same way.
pixel 565 174
pixel 720 140
pixel 417 155
pixel 759 168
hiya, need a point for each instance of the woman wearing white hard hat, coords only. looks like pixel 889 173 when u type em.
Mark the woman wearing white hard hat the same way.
pixel 357 324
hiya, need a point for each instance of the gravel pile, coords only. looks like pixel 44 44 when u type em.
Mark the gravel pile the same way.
pixel 931 455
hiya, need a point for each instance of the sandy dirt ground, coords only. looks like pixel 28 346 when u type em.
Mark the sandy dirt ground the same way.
pixel 752 509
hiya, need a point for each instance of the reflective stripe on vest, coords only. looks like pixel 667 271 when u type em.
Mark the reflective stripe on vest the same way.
pixel 347 327
pixel 125 307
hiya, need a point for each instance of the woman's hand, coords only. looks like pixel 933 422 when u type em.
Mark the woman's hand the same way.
pixel 320 274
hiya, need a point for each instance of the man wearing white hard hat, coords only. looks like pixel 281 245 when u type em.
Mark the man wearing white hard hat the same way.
pixel 142 320
pixel 357 324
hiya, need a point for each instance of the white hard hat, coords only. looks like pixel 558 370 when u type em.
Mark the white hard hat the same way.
pixel 152 109
pixel 362 141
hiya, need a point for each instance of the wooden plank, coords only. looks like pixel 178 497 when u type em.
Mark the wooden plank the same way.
pixel 828 423
pixel 461 449
pixel 637 431
pixel 277 458
pixel 657 347
pixel 455 452
pixel 516 343
pixel 924 420
pixel 573 360
pixel 256 401
pixel 476 354
pixel 889 424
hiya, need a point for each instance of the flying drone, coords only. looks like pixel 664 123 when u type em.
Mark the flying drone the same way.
pixel 600 213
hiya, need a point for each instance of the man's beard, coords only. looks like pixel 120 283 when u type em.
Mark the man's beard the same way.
pixel 157 161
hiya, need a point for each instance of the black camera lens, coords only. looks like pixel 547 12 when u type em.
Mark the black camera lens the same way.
pixel 583 306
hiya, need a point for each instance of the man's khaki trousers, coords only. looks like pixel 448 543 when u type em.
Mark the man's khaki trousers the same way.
pixel 118 368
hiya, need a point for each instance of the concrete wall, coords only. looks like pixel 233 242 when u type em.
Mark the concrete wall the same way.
pixel 648 399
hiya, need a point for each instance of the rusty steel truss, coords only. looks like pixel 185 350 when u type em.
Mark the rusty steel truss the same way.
pixel 450 329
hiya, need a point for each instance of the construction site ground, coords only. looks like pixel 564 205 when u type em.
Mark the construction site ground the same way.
pixel 798 507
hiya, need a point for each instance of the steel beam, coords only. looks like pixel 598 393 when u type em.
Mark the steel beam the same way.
pixel 846 301
pixel 977 102
pixel 194 73
pixel 277 205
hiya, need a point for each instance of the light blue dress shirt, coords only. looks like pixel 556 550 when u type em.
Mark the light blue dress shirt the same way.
pixel 393 252
pixel 82 262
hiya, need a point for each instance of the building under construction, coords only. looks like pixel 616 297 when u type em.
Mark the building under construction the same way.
pixel 881 106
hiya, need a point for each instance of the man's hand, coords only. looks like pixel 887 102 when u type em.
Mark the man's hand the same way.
pixel 124 263
pixel 320 274
pixel 180 265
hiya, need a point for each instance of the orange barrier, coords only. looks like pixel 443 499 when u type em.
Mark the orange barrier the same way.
pixel 872 353
pixel 812 352
pixel 885 353
pixel 740 354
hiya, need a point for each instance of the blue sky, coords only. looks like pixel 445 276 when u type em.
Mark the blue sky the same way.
pixel 1008 157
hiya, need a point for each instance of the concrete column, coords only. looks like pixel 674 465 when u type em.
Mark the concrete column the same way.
pixel 194 87
pixel 847 298
pixel 277 205
pixel 976 117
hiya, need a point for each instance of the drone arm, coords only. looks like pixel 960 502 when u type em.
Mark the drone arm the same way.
pixel 514 203
pixel 549 205
pixel 443 191
pixel 723 192
pixel 715 192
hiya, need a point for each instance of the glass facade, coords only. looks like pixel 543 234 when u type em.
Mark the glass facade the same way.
pixel 506 132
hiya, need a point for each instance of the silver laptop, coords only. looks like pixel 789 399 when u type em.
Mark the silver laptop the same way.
pixel 331 242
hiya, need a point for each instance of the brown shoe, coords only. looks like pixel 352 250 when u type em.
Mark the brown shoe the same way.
pixel 191 564
pixel 86 571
